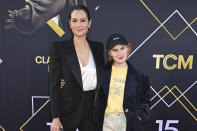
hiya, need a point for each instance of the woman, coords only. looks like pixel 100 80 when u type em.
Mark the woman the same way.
pixel 123 99
pixel 79 61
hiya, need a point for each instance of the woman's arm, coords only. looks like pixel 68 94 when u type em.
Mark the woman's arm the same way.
pixel 54 80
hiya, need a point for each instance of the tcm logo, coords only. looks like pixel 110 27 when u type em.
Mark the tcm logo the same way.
pixel 42 59
pixel 179 62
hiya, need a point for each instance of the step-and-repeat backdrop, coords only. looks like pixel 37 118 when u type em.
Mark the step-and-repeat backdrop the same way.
pixel 163 34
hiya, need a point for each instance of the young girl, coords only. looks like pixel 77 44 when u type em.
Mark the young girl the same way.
pixel 123 99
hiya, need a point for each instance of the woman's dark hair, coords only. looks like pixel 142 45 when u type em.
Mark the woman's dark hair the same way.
pixel 80 7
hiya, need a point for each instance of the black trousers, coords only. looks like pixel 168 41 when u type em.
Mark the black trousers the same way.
pixel 86 123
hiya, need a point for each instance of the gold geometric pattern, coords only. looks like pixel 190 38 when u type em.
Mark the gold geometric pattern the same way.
pixel 170 91
pixel 56 27
pixel 25 123
pixel 2 128
pixel 174 38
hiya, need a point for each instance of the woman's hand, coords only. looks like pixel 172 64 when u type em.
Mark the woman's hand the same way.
pixel 139 118
pixel 62 83
pixel 56 124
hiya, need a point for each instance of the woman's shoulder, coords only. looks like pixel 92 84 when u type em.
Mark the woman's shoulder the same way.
pixel 97 46
pixel 135 71
pixel 97 43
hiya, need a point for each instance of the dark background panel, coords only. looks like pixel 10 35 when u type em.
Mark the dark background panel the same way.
pixel 3 95
pixel 163 8
pixel 19 99
pixel 22 77
pixel 161 43
pixel 3 77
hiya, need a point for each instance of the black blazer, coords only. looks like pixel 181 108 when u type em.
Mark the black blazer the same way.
pixel 66 102
pixel 136 98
